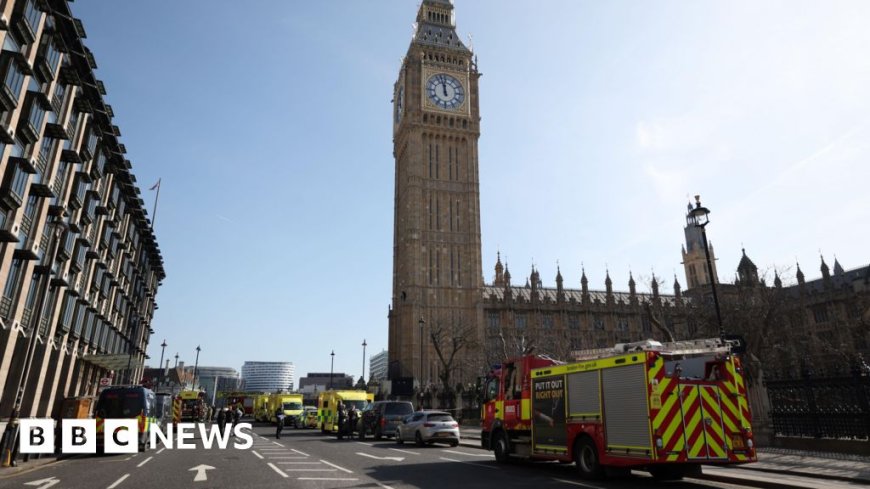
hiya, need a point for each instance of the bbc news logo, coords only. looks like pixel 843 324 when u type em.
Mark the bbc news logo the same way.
pixel 122 436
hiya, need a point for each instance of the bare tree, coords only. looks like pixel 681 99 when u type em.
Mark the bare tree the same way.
pixel 449 339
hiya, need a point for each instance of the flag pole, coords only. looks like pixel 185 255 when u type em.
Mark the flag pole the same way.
pixel 156 197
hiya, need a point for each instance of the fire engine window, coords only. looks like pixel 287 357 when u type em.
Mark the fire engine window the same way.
pixel 492 389
pixel 512 389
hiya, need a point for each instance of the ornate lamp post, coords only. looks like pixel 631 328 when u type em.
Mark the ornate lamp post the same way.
pixel 331 363
pixel 195 366
pixel 364 360
pixel 701 217
pixel 162 349
pixel 422 323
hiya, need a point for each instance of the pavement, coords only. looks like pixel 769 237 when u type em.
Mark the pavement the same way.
pixel 820 465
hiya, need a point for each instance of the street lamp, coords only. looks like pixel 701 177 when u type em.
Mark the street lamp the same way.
pixel 331 363
pixel 422 323
pixel 701 217
pixel 57 226
pixel 162 349
pixel 364 360
pixel 195 365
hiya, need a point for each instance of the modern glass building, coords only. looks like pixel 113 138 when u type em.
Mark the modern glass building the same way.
pixel 79 262
pixel 268 376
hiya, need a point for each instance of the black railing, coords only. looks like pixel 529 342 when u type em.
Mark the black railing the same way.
pixel 833 407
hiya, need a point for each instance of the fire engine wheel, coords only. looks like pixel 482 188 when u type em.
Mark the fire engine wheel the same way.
pixel 502 448
pixel 586 458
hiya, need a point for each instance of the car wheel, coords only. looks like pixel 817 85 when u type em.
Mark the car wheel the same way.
pixel 586 458
pixel 454 443
pixel 501 447
pixel 399 440
pixel 419 439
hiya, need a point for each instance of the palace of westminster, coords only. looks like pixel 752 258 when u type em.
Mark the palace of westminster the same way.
pixel 439 293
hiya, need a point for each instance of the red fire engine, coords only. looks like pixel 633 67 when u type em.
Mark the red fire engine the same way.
pixel 665 408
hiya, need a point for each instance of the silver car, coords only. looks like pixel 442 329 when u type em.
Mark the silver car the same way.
pixel 428 427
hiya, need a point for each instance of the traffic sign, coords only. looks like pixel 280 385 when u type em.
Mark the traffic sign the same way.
pixel 105 381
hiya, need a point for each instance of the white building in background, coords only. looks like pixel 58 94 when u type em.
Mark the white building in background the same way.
pixel 268 376
pixel 378 364
pixel 215 379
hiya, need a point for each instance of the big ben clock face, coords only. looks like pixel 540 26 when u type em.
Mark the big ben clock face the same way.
pixel 445 91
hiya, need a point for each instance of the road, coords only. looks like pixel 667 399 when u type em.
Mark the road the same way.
pixel 308 460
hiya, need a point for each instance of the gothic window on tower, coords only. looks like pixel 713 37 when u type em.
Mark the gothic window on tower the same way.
pixel 820 313
pixel 431 161
pixel 622 325
pixel 437 162
pixel 492 320
pixel 437 213
pixel 437 266
pixel 451 215
pixel 547 321
pixel 598 324
pixel 520 321
pixel 431 214
pixel 574 322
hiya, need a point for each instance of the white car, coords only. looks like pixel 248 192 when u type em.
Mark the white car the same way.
pixel 428 427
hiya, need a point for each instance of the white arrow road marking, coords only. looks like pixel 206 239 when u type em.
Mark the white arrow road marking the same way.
pixel 337 467
pixel 485 455
pixel 200 472
pixel 43 483
pixel 405 451
pixel 397 459
pixel 119 481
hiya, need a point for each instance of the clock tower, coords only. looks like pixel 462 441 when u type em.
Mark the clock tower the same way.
pixel 437 275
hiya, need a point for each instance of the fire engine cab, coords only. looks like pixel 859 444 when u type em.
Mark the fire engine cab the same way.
pixel 662 407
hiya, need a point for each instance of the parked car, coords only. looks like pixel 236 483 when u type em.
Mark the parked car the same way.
pixel 382 418
pixel 428 427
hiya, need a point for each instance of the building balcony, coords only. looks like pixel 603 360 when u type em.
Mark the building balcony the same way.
pixel 56 131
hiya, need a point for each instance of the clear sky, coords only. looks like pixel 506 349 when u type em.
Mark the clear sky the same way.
pixel 269 123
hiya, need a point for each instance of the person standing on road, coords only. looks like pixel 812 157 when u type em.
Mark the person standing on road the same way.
pixel 342 419
pixel 237 415
pixel 222 419
pixel 279 420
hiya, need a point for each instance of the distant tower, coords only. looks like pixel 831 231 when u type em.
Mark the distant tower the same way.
pixel 747 272
pixel 694 260
pixel 437 272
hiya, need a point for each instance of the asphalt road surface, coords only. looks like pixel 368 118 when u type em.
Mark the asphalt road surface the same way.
pixel 308 460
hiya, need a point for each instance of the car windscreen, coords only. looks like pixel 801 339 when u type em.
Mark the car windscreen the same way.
pixel 399 409
pixel 292 406
pixel 357 404
pixel 120 404
pixel 444 418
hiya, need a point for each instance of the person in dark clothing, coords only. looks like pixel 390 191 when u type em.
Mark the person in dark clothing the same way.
pixel 352 415
pixel 342 419
pixel 222 419
pixel 237 415
pixel 279 418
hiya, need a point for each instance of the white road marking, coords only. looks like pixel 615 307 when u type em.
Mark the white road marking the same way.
pixel 279 471
pixel 405 451
pixel 326 479
pixel 297 463
pixel 469 463
pixel 366 444
pixel 300 453
pixel 487 455
pixel 296 457
pixel 43 483
pixel 397 459
pixel 384 486
pixel 337 467
pixel 159 451
pixel 309 470
pixel 144 461
pixel 575 483
pixel 200 472
pixel 257 454
pixel 280 445
pixel 119 481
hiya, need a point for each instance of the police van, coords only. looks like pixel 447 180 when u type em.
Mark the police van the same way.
pixel 127 402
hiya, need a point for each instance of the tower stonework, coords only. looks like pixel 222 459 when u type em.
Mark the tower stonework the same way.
pixel 694 259
pixel 437 272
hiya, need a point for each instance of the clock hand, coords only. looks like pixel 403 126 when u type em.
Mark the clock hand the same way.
pixel 444 88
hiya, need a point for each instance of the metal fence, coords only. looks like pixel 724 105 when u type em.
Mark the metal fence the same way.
pixel 833 407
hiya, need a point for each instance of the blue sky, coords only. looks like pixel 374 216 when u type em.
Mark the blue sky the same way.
pixel 270 127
